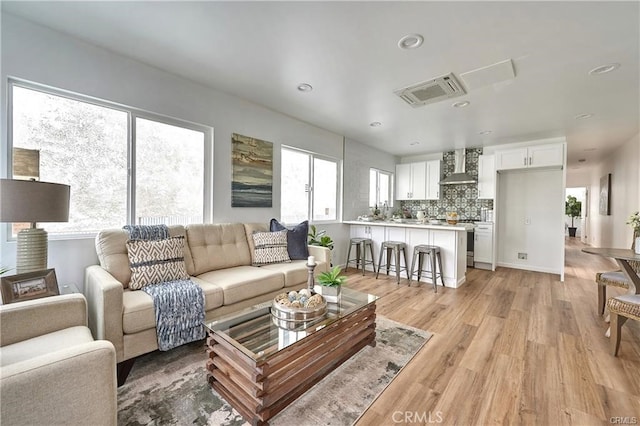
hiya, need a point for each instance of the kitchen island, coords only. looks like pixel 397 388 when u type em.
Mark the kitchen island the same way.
pixel 452 240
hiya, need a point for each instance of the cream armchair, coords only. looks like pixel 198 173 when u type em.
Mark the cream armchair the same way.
pixel 51 370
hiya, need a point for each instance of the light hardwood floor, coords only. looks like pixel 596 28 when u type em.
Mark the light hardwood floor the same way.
pixel 509 347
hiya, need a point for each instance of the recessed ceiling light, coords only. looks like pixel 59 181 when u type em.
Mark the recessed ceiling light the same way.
pixel 410 41
pixel 461 104
pixel 414 143
pixel 375 124
pixel 603 69
pixel 305 87
pixel 583 116
pixel 590 149
pixel 485 132
pixel 582 160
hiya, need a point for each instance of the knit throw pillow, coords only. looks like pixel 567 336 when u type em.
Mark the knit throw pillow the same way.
pixel 156 261
pixel 270 247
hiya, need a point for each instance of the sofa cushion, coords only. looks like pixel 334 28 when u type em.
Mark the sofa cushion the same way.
pixel 156 261
pixel 295 273
pixel 297 238
pixel 250 229
pixel 139 314
pixel 45 344
pixel 244 282
pixel 270 247
pixel 217 246
pixel 111 247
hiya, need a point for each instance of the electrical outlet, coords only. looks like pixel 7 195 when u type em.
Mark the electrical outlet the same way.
pixel 522 256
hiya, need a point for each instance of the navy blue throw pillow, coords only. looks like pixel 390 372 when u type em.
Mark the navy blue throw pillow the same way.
pixel 296 239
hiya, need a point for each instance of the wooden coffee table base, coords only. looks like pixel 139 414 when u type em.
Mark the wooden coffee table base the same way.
pixel 260 390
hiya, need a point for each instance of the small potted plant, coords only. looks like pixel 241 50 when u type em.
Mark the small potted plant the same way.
pixel 329 284
pixel 318 238
pixel 573 209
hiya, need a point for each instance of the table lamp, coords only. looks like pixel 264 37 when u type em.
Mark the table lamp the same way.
pixel 32 201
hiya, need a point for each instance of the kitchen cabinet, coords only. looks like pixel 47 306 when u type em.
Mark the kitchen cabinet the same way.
pixel 452 241
pixel 483 246
pixel 433 180
pixel 549 155
pixel 486 177
pixel 411 181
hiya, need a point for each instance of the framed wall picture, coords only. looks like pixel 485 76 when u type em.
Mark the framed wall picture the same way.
pixel 28 286
pixel 252 183
pixel 605 193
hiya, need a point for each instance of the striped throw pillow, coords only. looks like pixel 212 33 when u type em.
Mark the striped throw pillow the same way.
pixel 270 247
pixel 156 261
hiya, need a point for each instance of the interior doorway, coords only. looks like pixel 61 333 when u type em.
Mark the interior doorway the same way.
pixel 580 223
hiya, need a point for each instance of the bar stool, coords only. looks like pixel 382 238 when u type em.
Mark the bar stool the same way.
pixel 393 247
pixel 433 252
pixel 361 253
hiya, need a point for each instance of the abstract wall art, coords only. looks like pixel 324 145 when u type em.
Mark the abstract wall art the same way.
pixel 252 182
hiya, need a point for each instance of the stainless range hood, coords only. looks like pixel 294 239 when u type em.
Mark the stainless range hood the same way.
pixel 458 177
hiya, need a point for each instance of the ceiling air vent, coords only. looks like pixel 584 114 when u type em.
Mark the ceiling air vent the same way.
pixel 435 90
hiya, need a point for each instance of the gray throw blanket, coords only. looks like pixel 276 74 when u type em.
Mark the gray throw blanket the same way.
pixel 179 305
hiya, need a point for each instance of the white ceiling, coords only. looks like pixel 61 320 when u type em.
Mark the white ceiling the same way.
pixel 348 52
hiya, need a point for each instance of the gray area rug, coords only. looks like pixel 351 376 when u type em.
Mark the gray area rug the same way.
pixel 170 388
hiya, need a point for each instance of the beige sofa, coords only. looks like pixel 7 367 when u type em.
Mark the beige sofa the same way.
pixel 218 257
pixel 52 371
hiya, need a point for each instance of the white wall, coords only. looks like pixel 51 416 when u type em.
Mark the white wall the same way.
pixel 34 53
pixel 624 166
pixel 358 159
pixel 535 196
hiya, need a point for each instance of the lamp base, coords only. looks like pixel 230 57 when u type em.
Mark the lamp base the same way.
pixel 31 252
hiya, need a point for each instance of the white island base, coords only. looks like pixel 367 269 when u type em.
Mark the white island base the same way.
pixel 451 239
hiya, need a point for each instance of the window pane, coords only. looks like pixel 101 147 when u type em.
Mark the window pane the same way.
pixel 373 187
pixel 294 205
pixel 325 184
pixel 384 189
pixel 169 174
pixel 81 145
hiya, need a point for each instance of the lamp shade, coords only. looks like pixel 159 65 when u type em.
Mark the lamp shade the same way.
pixel 33 201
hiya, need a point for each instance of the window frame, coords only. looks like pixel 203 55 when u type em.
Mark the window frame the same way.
pixel 391 176
pixel 132 115
pixel 312 156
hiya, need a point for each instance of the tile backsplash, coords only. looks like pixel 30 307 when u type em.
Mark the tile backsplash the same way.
pixel 462 199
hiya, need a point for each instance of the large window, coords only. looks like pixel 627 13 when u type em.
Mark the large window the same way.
pixel 123 166
pixel 309 187
pixel 380 188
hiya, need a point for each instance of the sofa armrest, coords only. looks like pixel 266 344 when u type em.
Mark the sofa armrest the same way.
pixel 104 297
pixel 76 385
pixel 322 254
pixel 25 320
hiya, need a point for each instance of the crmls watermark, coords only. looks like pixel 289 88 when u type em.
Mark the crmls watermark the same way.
pixel 623 420
pixel 417 417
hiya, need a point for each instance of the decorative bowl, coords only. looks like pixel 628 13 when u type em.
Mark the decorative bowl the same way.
pixel 293 317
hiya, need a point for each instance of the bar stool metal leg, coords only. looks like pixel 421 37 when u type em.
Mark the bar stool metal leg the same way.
pixel 440 266
pixel 432 261
pixel 373 258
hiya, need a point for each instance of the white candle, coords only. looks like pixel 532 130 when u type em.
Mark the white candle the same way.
pixel 311 261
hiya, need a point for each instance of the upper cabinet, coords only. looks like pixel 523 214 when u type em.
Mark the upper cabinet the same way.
pixel 411 181
pixel 418 181
pixel 486 177
pixel 434 175
pixel 550 155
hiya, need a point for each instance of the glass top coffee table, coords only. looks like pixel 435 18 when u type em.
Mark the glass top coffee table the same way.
pixel 261 364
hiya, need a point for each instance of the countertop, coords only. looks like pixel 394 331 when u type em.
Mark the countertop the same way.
pixel 414 224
